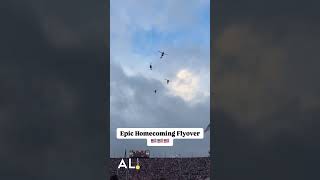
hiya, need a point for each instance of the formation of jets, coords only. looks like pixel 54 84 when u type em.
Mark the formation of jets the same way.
pixel 162 53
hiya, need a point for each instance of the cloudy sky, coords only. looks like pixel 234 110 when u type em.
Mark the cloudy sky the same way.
pixel 139 29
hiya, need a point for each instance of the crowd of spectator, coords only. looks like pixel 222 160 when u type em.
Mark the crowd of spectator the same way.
pixel 165 168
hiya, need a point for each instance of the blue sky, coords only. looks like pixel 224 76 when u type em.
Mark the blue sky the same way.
pixel 145 41
pixel 139 28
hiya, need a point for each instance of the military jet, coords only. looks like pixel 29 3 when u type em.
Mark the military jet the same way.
pixel 167 80
pixel 150 66
pixel 162 54
pixel 155 91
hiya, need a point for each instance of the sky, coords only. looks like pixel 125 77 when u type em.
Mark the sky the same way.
pixel 138 30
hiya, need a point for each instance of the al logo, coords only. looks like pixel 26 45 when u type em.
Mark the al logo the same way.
pixel 123 164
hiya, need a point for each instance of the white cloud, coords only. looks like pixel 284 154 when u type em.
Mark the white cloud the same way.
pixel 145 109
pixel 185 85
pixel 190 86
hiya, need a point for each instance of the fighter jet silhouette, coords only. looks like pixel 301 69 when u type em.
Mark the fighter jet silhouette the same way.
pixel 150 66
pixel 162 54
pixel 167 80
pixel 155 91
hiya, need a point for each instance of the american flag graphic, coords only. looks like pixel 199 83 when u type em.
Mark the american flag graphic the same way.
pixel 166 140
pixel 153 140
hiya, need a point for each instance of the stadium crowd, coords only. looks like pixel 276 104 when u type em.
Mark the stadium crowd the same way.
pixel 163 168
